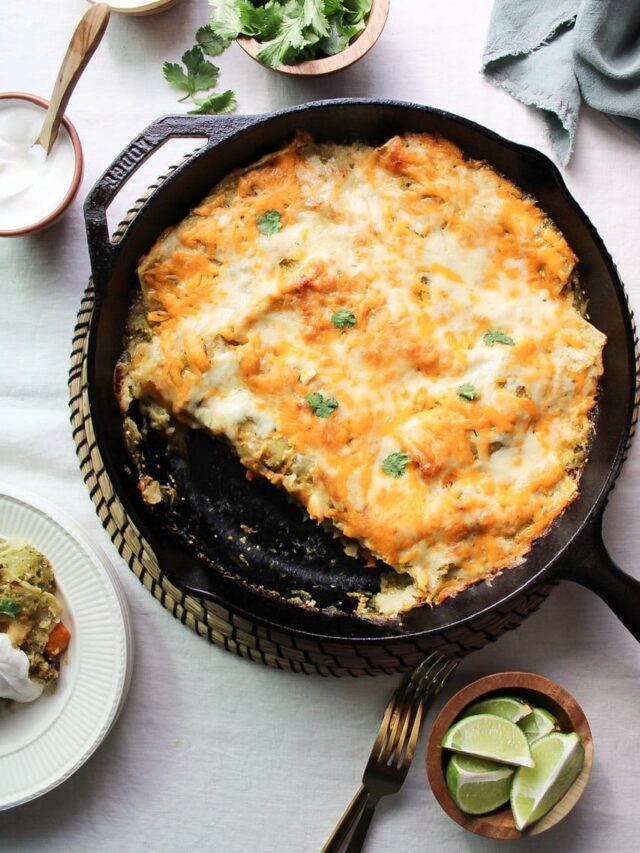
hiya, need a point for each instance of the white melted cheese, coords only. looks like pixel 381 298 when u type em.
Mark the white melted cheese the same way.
pixel 428 260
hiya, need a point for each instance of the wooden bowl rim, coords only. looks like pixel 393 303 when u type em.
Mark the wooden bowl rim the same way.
pixel 499 824
pixel 361 45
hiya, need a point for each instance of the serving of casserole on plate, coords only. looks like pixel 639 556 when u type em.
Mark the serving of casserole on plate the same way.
pixel 33 636
pixel 43 742
pixel 394 335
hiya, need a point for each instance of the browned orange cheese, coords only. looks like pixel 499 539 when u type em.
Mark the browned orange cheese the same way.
pixel 429 251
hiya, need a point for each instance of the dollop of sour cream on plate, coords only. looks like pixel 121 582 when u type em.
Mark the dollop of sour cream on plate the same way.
pixel 32 185
pixel 14 674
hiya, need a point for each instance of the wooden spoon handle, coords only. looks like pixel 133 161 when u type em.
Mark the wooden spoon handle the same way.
pixel 81 48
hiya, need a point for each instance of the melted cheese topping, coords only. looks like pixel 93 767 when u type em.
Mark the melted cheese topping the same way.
pixel 429 251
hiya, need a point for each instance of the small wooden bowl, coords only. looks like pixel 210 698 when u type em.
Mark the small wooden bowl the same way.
pixel 538 691
pixel 330 64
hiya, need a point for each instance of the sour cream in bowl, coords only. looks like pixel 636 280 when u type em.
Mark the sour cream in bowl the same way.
pixel 35 190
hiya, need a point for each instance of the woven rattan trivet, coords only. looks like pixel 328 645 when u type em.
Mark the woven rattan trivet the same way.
pixel 222 626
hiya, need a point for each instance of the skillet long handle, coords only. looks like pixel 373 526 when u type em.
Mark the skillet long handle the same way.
pixel 592 567
pixel 101 249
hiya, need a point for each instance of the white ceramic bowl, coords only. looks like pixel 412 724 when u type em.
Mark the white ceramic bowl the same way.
pixel 59 207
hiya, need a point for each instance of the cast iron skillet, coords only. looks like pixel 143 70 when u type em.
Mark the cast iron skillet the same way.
pixel 258 574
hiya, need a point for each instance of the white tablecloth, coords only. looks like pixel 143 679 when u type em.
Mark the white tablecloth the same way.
pixel 212 752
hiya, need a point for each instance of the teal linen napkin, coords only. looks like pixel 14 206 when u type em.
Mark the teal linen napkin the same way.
pixel 552 54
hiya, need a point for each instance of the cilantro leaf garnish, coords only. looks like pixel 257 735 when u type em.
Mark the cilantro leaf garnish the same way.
pixel 495 336
pixel 395 464
pixel 217 104
pixel 10 608
pixel 174 74
pixel 197 74
pixel 344 319
pixel 203 73
pixel 269 222
pixel 200 73
pixel 320 406
pixel 211 42
pixel 468 392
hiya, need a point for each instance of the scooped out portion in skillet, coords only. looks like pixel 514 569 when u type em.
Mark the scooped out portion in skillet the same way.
pixel 395 336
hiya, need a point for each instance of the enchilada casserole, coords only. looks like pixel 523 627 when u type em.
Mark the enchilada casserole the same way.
pixel 30 613
pixel 394 336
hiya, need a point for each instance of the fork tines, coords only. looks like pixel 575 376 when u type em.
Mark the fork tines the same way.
pixel 400 726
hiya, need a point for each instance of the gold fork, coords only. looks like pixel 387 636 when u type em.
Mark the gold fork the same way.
pixel 393 749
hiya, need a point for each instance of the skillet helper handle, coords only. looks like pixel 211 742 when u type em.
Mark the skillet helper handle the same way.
pixel 592 567
pixel 101 249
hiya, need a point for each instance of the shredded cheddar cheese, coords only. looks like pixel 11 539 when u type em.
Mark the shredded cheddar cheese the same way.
pixel 399 349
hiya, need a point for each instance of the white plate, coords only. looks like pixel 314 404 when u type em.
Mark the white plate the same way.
pixel 44 742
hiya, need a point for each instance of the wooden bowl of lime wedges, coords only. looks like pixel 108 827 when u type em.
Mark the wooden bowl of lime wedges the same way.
pixel 509 755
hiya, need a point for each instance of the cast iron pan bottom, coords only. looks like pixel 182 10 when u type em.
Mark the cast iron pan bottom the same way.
pixel 225 518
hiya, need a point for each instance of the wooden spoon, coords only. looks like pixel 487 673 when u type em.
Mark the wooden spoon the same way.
pixel 81 48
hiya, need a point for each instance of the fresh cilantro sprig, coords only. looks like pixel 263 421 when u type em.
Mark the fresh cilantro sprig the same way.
pixel 495 336
pixel 261 22
pixel 339 37
pixel 211 42
pixel 395 464
pixel 197 74
pixel 218 104
pixel 290 40
pixel 321 407
pixel 225 18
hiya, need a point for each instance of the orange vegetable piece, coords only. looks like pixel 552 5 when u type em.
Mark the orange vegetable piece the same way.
pixel 58 641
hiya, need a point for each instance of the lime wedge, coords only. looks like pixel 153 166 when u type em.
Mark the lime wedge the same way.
pixel 558 760
pixel 491 737
pixel 502 706
pixel 538 724
pixel 476 785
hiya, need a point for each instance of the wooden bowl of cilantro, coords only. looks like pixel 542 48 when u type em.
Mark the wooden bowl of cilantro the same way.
pixel 307 38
